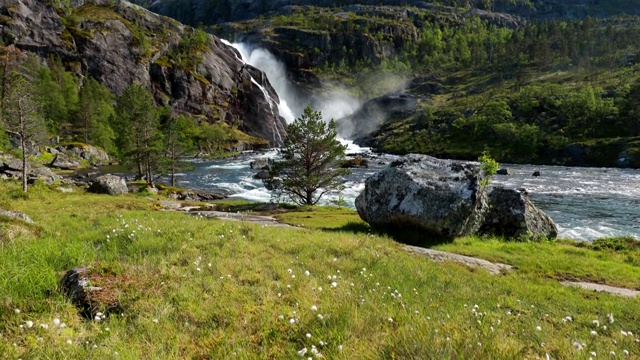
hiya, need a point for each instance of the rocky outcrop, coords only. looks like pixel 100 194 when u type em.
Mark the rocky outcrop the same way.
pixel 11 168
pixel 437 196
pixel 511 214
pixel 119 43
pixel 109 184
pixel 74 156
pixel 375 112
pixel 445 198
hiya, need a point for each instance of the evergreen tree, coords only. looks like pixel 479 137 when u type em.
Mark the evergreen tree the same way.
pixel 139 139
pixel 311 156
pixel 95 109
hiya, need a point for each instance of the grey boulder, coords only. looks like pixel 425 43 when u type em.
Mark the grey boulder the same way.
pixel 513 215
pixel 437 196
pixel 109 184
pixel 16 215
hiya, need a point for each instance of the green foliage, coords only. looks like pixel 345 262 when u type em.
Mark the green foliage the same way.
pixel 489 168
pixel 95 111
pixel 179 133
pixel 311 156
pixel 138 136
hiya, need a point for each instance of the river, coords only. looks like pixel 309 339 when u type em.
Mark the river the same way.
pixel 585 203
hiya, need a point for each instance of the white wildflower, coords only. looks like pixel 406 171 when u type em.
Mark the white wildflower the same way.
pixel 334 284
pixel 594 333
pixel 29 324
pixel 69 342
pixel 308 335
pixel 56 322
pixel 539 328
pixel 302 352
pixel 611 319
pixel 314 308
pixel 17 311
pixel 307 273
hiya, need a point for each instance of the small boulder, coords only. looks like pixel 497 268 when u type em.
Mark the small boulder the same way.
pixel 43 174
pixel 16 215
pixel 503 171
pixel 357 162
pixel 109 184
pixel 536 173
pixel 513 215
pixel 261 164
pixel 262 174
pixel 64 163
pixel 438 196
pixel 12 164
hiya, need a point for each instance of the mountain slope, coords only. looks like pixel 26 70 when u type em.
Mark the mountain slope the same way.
pixel 186 69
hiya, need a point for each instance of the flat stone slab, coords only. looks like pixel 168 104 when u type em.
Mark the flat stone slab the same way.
pixel 435 255
pixel 603 288
pixel 258 219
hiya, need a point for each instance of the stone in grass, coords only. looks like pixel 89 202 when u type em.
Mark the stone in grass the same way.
pixel 109 184
pixel 80 285
pixel 16 215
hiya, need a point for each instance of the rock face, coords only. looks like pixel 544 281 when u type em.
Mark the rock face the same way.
pixel 444 198
pixel 109 184
pixel 119 43
pixel 511 214
pixel 438 196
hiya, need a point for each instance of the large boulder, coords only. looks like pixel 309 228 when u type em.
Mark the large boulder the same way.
pixel 438 196
pixel 109 184
pixel 512 214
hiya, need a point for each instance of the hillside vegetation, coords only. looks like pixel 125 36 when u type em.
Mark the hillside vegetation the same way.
pixel 539 91
pixel 190 287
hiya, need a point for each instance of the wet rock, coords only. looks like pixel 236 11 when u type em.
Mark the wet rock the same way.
pixel 261 164
pixel 357 162
pixel 511 214
pixel 263 174
pixel 16 215
pixel 536 173
pixel 418 191
pixel 503 171
pixel 109 184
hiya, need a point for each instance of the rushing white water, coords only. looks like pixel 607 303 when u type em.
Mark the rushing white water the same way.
pixel 275 71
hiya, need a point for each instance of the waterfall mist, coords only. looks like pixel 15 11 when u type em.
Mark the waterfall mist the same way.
pixel 335 104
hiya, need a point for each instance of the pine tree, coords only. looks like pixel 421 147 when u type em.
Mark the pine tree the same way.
pixel 311 156
pixel 139 139
pixel 22 116
pixel 95 109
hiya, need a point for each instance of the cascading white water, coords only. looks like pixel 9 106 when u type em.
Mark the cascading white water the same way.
pixel 275 72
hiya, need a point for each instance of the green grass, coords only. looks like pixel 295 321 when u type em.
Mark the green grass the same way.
pixel 215 289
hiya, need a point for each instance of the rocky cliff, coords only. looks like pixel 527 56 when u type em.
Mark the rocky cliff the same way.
pixel 217 11
pixel 119 43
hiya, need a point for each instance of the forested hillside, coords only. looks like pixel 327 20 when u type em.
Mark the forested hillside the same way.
pixel 545 91
pixel 208 12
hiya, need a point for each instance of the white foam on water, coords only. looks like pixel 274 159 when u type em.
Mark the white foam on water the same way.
pixel 257 195
pixel 353 148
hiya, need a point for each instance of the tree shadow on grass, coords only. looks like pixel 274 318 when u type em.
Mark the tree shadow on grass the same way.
pixel 409 235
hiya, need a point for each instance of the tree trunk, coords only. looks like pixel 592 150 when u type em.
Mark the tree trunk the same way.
pixel 24 162
pixel 309 199
pixel 173 173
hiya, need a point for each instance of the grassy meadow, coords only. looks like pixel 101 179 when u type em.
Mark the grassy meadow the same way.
pixel 197 288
